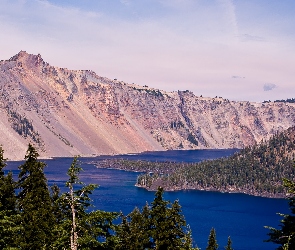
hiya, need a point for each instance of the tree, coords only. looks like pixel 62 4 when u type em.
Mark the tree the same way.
pixel 34 204
pixel 212 242
pixel 7 187
pixel 78 227
pixel 285 236
pixel 168 226
pixel 229 244
pixel 9 224
pixel 159 226
pixel 134 231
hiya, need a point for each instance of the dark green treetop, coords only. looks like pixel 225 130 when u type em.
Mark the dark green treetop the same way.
pixel 9 220
pixel 34 204
pixel 78 227
pixel 285 236
pixel 229 244
pixel 159 226
pixel 212 242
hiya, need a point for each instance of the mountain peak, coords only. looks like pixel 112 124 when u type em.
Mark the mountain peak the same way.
pixel 19 55
pixel 25 57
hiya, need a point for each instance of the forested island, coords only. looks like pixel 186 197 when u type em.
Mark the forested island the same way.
pixel 256 170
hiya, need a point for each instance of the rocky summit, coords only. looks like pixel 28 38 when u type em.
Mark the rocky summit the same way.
pixel 76 112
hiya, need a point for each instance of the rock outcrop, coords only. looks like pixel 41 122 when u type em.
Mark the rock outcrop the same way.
pixel 70 112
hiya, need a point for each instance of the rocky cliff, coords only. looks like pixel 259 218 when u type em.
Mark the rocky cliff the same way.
pixel 69 112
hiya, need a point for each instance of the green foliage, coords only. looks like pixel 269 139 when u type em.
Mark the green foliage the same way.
pixel 133 232
pixel 285 236
pixel 7 186
pixel 10 227
pixel 78 227
pixel 288 100
pixel 159 226
pixel 39 219
pixel 229 244
pixel 9 220
pixel 256 170
pixel 34 204
pixel 191 138
pixel 212 242
pixel 23 126
pixel 153 92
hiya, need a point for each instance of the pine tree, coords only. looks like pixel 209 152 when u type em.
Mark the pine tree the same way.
pixel 167 224
pixel 34 204
pixel 77 227
pixel 229 244
pixel 285 236
pixel 7 187
pixel 212 242
pixel 159 226
pixel 9 224
pixel 133 232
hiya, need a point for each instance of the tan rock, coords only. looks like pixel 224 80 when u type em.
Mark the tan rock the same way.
pixel 70 112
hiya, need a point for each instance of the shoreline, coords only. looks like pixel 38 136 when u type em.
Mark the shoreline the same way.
pixel 265 195
pixel 209 189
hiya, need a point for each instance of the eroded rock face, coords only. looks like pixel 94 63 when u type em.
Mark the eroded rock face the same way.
pixel 66 112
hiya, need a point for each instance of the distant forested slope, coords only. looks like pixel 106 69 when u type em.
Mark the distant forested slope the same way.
pixel 256 170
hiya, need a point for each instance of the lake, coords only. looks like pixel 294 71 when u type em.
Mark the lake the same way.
pixel 241 216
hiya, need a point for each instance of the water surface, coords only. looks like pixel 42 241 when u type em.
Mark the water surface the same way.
pixel 241 216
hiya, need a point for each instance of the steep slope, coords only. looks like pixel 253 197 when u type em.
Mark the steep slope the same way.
pixel 54 104
pixel 67 112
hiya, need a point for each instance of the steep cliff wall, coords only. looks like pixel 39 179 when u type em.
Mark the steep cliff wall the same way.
pixel 66 112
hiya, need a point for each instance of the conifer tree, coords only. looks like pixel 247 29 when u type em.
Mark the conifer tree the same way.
pixel 212 242
pixel 159 226
pixel 7 187
pixel 168 225
pixel 285 236
pixel 134 231
pixel 229 244
pixel 79 228
pixel 9 224
pixel 34 204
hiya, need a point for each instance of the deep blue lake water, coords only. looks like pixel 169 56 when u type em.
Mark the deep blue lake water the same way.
pixel 241 216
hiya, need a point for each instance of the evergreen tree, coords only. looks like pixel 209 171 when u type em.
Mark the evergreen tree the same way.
pixel 212 242
pixel 9 224
pixel 159 226
pixel 133 233
pixel 7 187
pixel 229 244
pixel 34 204
pixel 285 236
pixel 77 227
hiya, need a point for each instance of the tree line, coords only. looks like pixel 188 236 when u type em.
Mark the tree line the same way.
pixel 256 170
pixel 36 216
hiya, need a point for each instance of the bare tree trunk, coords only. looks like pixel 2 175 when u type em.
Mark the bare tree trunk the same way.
pixel 74 235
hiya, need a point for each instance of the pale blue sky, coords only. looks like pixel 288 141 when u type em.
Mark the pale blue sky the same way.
pixel 237 49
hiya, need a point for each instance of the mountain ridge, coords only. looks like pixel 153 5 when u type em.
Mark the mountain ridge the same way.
pixel 76 112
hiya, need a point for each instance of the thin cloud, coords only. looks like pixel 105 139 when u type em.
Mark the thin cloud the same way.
pixel 176 42
pixel 125 2
pixel 238 77
pixel 269 86
pixel 248 37
pixel 231 14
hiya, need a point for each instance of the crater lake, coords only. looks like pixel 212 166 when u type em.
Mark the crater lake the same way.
pixel 240 216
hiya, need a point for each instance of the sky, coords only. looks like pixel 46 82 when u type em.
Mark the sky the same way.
pixel 236 49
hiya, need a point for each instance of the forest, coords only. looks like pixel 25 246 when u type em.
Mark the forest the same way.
pixel 257 170
pixel 36 216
